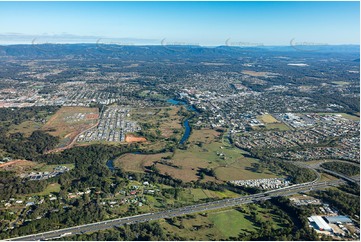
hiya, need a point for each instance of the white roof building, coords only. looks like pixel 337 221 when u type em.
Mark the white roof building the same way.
pixel 320 223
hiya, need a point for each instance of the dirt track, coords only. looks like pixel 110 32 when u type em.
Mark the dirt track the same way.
pixel 131 139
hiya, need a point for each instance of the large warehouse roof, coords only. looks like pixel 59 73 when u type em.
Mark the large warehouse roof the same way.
pixel 335 219
pixel 321 223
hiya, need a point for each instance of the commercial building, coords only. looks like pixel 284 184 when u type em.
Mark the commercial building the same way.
pixel 338 219
pixel 319 223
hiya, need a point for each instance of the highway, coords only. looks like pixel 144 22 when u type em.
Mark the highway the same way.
pixel 178 211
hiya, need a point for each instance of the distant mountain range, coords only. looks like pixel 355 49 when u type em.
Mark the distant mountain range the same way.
pixel 156 51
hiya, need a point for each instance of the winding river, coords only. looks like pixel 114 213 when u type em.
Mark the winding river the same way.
pixel 186 125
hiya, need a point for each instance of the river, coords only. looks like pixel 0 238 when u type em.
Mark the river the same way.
pixel 186 125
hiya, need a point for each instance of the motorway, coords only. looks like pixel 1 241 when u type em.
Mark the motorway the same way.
pixel 286 191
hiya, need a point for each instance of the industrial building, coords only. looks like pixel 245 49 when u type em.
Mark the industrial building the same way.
pixel 319 223
pixel 337 219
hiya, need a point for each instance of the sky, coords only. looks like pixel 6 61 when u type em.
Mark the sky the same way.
pixel 183 23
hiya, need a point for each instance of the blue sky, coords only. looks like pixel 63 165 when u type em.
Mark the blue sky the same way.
pixel 204 23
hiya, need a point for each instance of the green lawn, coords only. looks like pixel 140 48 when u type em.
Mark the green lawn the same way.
pixel 231 222
pixel 26 127
pixel 279 126
pixel 220 224
pixel 54 187
pixel 198 194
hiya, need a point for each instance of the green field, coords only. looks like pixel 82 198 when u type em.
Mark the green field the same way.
pixel 205 149
pixel 26 127
pixel 51 188
pixel 220 224
pixel 270 123
pixel 279 126
pixel 198 194
pixel 267 118
pixel 228 162
pixel 231 222
pixel 137 162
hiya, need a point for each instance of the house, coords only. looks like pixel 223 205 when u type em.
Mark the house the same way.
pixel 30 204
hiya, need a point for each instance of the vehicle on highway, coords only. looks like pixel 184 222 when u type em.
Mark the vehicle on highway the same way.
pixel 66 234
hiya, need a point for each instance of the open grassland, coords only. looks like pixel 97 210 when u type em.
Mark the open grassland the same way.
pixel 205 149
pixel 228 162
pixel 18 166
pixel 231 222
pixel 255 73
pixel 220 224
pixel 199 194
pixel 271 123
pixel 327 177
pixel 137 162
pixel 163 121
pixel 26 127
pixel 68 122
pixel 205 135
pixel 279 126
pixel 51 188
pixel 267 118
pixel 29 126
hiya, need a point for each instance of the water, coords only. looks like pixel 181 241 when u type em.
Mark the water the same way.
pixel 187 132
pixel 178 102
pixel 110 165
pixel 186 125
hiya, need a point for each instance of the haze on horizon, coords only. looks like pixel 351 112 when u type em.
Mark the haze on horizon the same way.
pixel 184 23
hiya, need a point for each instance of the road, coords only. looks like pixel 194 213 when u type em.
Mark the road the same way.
pixel 178 211
pixel 72 142
pixel 318 167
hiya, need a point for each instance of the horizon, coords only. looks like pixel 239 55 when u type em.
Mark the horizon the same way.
pixel 187 23
pixel 180 45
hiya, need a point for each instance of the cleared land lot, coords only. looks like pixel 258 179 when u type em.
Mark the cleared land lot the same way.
pixel 268 118
pixel 256 73
pixel 18 166
pixel 68 122
pixel 137 162
pixel 271 123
